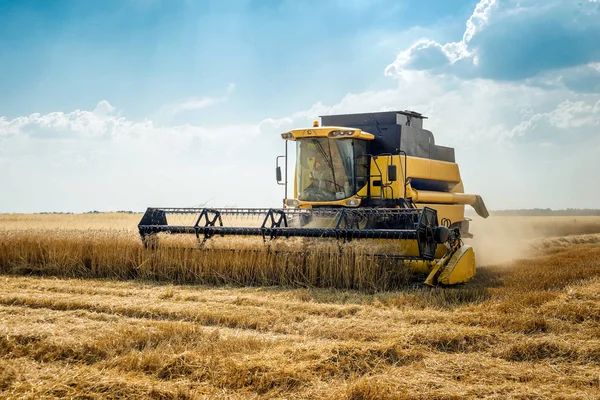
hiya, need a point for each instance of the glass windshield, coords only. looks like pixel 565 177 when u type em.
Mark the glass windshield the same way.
pixel 324 169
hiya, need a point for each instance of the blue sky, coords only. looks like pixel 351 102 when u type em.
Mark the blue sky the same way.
pixel 123 104
pixel 143 54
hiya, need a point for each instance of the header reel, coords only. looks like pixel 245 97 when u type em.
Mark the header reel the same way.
pixel 345 224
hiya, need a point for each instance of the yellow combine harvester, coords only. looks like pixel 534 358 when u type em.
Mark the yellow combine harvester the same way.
pixel 370 176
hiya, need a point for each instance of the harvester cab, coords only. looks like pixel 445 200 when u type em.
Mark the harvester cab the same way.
pixel 376 177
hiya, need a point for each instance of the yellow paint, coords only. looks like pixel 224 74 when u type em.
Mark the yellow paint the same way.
pixel 450 269
pixel 343 202
pixel 440 170
pixel 450 266
pixel 428 196
pixel 453 212
pixel 460 268
pixel 316 132
pixel 449 205
pixel 431 279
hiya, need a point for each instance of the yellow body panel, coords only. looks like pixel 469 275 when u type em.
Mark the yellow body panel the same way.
pixel 450 268
pixel 324 132
pixel 456 266
pixel 460 268
pixel 449 205
pixel 442 170
pixel 453 212
pixel 417 168
pixel 379 167
pixel 341 203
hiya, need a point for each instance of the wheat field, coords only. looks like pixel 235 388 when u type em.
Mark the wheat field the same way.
pixel 76 323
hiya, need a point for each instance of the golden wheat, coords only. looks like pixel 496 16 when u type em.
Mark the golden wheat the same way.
pixel 102 254
pixel 526 329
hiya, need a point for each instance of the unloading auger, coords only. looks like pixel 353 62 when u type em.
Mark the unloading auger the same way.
pixel 374 177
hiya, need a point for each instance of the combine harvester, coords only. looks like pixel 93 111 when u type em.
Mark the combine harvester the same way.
pixel 375 177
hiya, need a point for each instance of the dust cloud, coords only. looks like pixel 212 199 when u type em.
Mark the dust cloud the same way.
pixel 501 239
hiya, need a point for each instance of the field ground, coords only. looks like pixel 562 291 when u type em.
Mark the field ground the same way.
pixel 528 326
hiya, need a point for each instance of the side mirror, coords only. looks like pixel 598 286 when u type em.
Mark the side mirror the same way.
pixel 392 173
pixel 278 174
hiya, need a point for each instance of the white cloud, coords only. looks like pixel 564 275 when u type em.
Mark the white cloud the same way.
pixel 427 54
pixel 568 115
pixel 98 123
pixel 197 103
pixel 478 19
pixel 104 108
pixel 514 40
pixel 85 160
pixel 578 119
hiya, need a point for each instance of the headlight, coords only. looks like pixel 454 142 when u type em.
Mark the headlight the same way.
pixel 292 203
pixel 340 133
pixel 287 135
pixel 353 202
